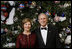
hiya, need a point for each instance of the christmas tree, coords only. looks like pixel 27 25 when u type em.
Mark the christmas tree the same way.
pixel 58 12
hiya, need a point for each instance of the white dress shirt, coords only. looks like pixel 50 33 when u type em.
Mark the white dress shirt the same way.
pixel 44 34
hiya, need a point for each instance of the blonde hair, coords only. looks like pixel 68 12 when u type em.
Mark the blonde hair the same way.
pixel 26 20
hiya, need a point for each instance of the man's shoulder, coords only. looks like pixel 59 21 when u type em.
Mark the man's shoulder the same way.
pixel 52 26
pixel 36 30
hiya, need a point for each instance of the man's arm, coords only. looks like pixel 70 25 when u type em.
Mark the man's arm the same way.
pixel 58 43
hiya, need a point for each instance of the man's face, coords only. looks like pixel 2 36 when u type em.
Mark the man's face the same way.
pixel 43 20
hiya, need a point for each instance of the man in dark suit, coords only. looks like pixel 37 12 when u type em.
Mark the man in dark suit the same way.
pixel 47 34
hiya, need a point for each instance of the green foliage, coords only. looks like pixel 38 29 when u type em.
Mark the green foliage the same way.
pixel 30 13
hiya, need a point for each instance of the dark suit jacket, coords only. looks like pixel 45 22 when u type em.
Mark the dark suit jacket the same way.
pixel 53 40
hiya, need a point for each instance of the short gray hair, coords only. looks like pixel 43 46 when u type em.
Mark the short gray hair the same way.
pixel 43 14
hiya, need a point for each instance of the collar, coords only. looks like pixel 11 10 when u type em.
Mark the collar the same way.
pixel 44 27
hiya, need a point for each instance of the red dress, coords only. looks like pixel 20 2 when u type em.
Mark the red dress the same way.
pixel 24 41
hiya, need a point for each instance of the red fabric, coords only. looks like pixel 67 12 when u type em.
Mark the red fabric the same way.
pixel 24 41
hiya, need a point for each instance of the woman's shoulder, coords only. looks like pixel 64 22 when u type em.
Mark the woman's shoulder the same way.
pixel 20 35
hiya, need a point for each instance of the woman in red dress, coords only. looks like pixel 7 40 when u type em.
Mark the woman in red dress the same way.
pixel 26 39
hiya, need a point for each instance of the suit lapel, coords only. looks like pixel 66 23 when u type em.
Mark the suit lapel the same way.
pixel 40 36
pixel 48 34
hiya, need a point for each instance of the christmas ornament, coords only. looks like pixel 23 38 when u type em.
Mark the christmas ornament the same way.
pixel 21 6
pixel 34 19
pixel 62 40
pixel 3 17
pixel 63 34
pixel 16 32
pixel 2 30
pixel 6 30
pixel 66 5
pixel 61 6
pixel 68 30
pixel 33 4
pixel 64 29
pixel 68 39
pixel 18 9
pixel 54 23
pixel 18 27
pixel 3 8
pixel 56 18
pixel 22 14
pixel 38 7
pixel 48 13
pixel 2 22
pixel 60 35
pixel 5 1
pixel 69 26
pixel 10 21
pixel 51 20
pixel 67 46
pixel 62 18
pixel 63 14
pixel 6 14
pixel 53 13
pixel 8 39
pixel 70 20
pixel 57 2
pixel 15 19
pixel 9 45
pixel 12 3
pixel 36 13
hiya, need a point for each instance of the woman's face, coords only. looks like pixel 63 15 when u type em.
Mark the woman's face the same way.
pixel 27 26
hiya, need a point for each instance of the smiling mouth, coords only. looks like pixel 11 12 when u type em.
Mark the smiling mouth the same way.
pixel 43 22
pixel 28 28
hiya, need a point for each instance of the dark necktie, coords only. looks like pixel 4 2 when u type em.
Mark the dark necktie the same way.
pixel 43 28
